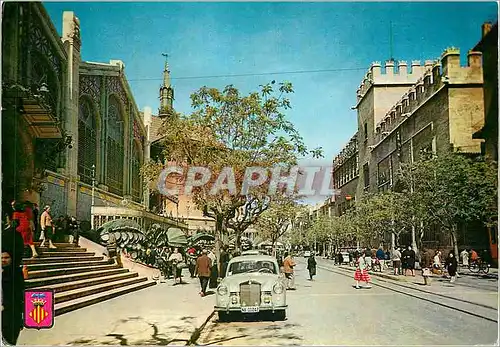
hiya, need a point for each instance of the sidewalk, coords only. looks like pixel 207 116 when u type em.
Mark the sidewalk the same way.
pixel 160 315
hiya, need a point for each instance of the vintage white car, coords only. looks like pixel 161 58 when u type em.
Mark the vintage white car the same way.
pixel 252 285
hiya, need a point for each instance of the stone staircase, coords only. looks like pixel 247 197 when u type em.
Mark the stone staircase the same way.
pixel 79 278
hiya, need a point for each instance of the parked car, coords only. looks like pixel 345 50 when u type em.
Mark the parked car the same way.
pixel 252 285
pixel 307 254
pixel 253 252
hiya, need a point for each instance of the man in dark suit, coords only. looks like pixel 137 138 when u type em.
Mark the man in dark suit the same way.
pixel 203 270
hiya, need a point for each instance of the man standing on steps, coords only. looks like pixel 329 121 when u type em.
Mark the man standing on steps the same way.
pixel 47 227
pixel 203 271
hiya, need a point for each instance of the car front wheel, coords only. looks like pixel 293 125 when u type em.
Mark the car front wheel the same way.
pixel 279 315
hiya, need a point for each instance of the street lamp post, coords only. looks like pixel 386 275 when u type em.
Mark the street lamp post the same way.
pixel 93 198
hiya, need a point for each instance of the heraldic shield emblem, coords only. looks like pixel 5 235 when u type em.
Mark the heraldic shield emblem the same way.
pixel 38 309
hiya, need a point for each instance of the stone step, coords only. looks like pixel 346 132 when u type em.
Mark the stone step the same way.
pixel 58 244
pixel 49 260
pixel 95 289
pixel 76 304
pixel 69 271
pixel 88 282
pixel 46 281
pixel 63 265
pixel 66 254
pixel 60 249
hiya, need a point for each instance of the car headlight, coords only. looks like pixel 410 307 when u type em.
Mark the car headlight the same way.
pixel 278 288
pixel 222 290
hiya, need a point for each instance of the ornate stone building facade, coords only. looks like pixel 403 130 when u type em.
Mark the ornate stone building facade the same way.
pixel 72 134
pixel 404 114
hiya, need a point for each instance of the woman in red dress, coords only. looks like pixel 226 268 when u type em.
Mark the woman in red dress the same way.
pixel 24 215
pixel 361 274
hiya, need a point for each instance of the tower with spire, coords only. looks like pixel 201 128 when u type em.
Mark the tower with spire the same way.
pixel 166 92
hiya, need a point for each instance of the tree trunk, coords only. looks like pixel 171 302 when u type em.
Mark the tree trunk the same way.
pixel 237 242
pixel 393 241
pixel 219 229
pixel 454 239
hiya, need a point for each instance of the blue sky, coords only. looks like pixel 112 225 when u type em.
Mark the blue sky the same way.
pixel 208 38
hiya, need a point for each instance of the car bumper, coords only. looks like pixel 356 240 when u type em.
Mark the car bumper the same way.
pixel 261 309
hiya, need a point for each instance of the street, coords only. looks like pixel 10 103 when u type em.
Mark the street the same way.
pixel 326 311
pixel 329 311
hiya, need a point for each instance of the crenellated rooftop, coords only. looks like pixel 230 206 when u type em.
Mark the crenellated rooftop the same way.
pixel 392 73
pixel 436 74
pixel 350 149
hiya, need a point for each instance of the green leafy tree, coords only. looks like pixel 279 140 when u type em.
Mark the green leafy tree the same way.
pixel 453 189
pixel 278 219
pixel 228 129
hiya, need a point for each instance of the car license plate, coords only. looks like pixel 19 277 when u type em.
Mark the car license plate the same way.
pixel 250 309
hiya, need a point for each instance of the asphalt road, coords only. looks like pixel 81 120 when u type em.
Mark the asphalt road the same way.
pixel 329 311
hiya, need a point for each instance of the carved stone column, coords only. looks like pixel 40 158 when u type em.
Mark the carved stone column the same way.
pixel 72 43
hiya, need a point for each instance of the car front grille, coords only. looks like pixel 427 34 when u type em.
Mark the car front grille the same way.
pixel 250 294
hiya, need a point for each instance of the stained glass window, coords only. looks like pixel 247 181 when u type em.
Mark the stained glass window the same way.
pixel 87 141
pixel 115 150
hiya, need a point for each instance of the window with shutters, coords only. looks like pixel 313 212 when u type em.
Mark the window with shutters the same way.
pixel 115 151
pixel 136 179
pixel 87 141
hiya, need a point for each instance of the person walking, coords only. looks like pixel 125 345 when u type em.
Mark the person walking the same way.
pixel 426 265
pixel 381 258
pixel 36 221
pixel 203 270
pixel 47 227
pixel 410 261
pixel 396 260
pixel 465 258
pixel 452 265
pixel 436 265
pixel 12 283
pixel 311 266
pixel 176 260
pixel 214 270
pixel 361 273
pixel 288 265
pixel 24 216
pixel 74 231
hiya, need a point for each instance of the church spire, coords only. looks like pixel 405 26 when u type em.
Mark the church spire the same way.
pixel 166 72
pixel 166 91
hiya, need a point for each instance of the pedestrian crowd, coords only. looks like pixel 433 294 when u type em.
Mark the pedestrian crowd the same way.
pixel 22 224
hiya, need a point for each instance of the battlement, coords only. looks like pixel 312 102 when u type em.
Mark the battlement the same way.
pixel 446 71
pixel 392 73
pixel 350 149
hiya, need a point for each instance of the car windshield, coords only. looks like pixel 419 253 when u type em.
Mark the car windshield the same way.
pixel 262 266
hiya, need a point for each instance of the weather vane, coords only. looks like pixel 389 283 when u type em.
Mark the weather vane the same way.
pixel 166 59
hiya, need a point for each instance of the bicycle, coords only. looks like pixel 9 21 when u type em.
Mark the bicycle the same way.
pixel 477 266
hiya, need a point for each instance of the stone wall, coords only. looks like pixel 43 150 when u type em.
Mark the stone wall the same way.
pixel 54 196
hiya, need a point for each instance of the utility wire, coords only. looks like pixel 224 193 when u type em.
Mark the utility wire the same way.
pixel 253 74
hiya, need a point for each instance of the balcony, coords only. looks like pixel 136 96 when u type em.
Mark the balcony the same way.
pixel 34 104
